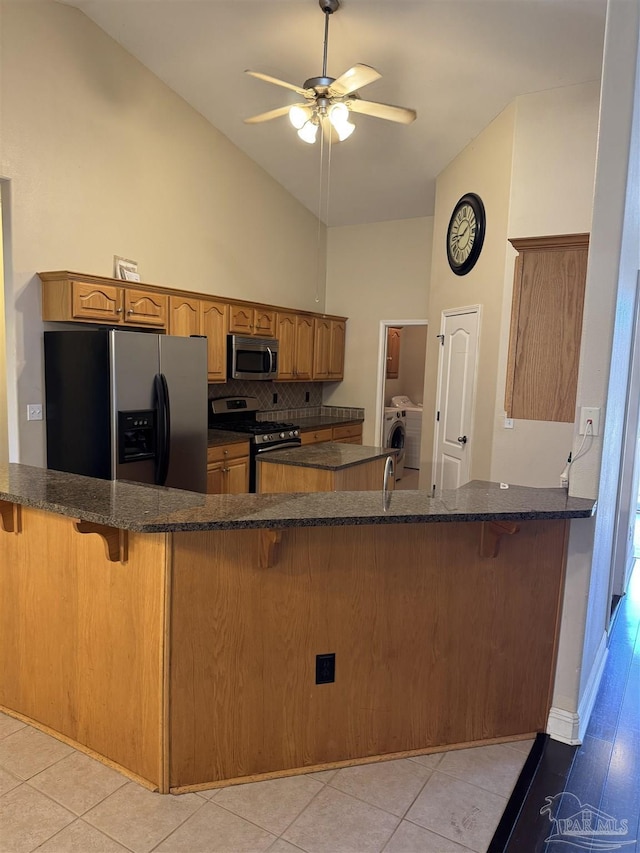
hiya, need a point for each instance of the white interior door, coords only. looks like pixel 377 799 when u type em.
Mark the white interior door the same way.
pixel 455 397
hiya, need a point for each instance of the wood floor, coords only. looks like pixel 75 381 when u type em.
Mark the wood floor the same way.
pixel 603 773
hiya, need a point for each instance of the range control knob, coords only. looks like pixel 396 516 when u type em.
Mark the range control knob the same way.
pixel 283 435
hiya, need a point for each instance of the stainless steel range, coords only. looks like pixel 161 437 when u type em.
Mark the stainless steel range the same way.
pixel 239 414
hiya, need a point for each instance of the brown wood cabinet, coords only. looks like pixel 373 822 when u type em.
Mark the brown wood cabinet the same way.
pixel 101 302
pixel 311 345
pixel 283 479
pixel 228 469
pixel 347 434
pixel 295 356
pixel 546 327
pixel 328 349
pixel 252 320
pixel 188 316
pixel 344 433
pixel 393 352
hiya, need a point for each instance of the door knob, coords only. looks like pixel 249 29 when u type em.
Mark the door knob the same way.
pixel 462 439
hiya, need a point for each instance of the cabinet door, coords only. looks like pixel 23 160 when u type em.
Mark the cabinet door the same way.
pixel 316 436
pixel 393 353
pixel 145 309
pixel 336 353
pixel 264 322
pixel 214 326
pixel 100 303
pixel 546 327
pixel 215 478
pixel 241 319
pixel 304 348
pixel 237 476
pixel 184 316
pixel 287 346
pixel 321 348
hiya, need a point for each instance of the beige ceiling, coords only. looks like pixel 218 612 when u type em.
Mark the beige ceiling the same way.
pixel 457 62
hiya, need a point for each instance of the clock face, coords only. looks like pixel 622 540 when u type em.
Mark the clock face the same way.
pixel 465 233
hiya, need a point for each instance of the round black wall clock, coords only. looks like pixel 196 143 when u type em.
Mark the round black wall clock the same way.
pixel 465 233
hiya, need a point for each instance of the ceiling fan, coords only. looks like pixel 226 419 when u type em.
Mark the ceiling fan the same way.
pixel 329 98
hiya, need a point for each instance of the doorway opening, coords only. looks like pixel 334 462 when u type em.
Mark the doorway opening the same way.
pixel 401 366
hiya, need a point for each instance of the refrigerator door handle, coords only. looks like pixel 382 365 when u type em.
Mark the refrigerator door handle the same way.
pixel 164 428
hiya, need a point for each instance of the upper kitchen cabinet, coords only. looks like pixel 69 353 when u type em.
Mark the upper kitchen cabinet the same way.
pixel 205 317
pixel 393 352
pixel 328 349
pixel 252 320
pixel 72 298
pixel 295 355
pixel 546 327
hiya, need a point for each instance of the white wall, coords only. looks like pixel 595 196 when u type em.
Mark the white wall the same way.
pixel 609 304
pixel 551 193
pixel 375 272
pixel 103 159
pixel 484 167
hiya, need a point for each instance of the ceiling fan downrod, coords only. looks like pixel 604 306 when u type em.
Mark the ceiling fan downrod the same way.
pixel 328 7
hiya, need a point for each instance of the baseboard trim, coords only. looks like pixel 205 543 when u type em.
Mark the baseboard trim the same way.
pixel 570 726
pixel 588 700
pixel 564 726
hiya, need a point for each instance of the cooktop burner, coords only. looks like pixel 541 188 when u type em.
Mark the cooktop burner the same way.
pixel 253 427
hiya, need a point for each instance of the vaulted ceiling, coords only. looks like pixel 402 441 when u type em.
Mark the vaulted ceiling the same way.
pixel 459 63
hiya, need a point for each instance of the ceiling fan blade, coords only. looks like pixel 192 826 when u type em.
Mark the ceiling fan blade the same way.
pixel 355 78
pixel 403 115
pixel 276 82
pixel 280 111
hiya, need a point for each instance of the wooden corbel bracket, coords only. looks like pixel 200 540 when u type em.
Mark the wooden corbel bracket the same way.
pixel 490 534
pixel 269 539
pixel 116 541
pixel 10 517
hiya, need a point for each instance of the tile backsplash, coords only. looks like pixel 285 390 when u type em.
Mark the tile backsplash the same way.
pixel 291 395
pixel 291 402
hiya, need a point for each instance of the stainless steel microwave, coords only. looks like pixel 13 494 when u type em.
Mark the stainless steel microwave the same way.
pixel 251 358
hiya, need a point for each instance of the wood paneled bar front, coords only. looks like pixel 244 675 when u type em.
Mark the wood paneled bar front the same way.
pixel 173 635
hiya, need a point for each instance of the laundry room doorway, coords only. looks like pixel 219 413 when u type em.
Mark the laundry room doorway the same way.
pixel 401 368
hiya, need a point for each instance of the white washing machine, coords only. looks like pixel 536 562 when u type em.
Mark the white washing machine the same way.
pixel 413 426
pixel 394 435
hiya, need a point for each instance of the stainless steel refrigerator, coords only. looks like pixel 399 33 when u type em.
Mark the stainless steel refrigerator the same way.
pixel 126 405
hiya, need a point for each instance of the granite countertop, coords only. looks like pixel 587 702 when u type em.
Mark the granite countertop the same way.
pixel 325 421
pixel 328 455
pixel 216 437
pixel 154 509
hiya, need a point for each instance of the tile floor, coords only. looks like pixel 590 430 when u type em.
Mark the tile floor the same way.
pixel 54 799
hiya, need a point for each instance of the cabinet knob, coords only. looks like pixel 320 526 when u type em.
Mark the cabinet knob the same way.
pixel 118 310
pixel 130 311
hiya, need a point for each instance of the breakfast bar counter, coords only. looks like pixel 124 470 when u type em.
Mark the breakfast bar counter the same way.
pixel 174 635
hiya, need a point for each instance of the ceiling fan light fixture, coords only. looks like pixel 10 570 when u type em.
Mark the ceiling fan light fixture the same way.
pixel 299 116
pixel 339 118
pixel 308 132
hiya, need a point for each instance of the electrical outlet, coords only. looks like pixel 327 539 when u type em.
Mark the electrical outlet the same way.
pixel 34 412
pixel 326 668
pixel 589 414
pixel 508 423
pixel 275 398
pixel 306 396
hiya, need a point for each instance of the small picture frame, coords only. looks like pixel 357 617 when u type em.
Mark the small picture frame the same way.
pixel 125 269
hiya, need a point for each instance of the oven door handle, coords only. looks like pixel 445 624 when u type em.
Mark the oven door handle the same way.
pixel 284 446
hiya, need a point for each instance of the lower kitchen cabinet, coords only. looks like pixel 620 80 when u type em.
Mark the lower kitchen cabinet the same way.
pixel 345 434
pixel 228 469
